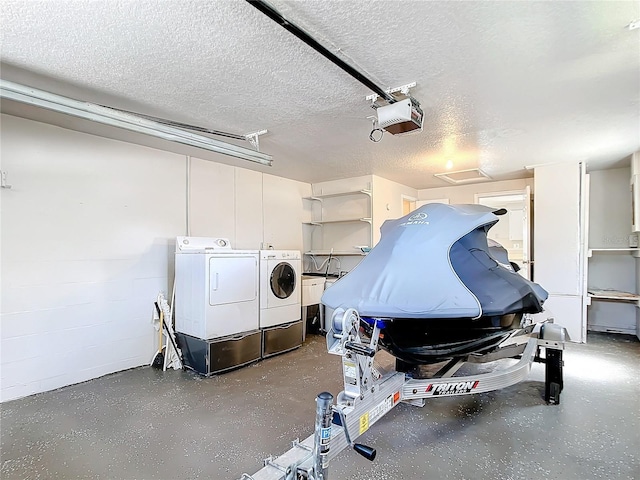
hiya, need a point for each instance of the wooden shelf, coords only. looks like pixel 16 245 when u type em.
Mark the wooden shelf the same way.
pixel 614 295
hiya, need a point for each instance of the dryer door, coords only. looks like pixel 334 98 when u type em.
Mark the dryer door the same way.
pixel 232 279
pixel 283 280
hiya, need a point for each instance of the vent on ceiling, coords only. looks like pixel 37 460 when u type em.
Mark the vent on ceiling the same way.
pixel 471 175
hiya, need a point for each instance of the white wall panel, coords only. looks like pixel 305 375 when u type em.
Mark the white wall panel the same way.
pixel 248 212
pixel 283 211
pixel 212 200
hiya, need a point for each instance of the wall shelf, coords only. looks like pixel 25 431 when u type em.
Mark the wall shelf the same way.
pixel 326 253
pixel 612 273
pixel 614 295
pixel 344 210
pixel 346 220
pixel 321 196
pixel 633 251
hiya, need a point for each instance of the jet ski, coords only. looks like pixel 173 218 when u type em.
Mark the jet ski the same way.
pixel 437 287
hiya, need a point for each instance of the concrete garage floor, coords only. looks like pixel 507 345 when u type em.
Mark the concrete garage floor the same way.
pixel 146 424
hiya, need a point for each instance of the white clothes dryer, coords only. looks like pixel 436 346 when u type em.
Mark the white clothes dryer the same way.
pixel 216 288
pixel 216 304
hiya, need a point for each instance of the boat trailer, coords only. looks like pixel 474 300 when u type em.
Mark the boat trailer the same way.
pixel 370 392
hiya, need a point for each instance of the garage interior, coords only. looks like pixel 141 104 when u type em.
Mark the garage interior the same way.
pixel 133 129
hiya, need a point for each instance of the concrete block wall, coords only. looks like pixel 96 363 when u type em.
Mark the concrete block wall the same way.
pixel 87 241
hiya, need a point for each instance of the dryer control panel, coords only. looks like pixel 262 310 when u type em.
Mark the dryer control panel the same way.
pixel 201 244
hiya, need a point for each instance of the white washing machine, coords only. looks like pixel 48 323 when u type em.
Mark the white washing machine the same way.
pixel 280 300
pixel 217 303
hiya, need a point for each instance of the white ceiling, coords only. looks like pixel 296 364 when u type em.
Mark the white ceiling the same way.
pixel 503 85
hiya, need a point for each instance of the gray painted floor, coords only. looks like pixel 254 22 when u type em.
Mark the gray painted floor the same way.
pixel 146 424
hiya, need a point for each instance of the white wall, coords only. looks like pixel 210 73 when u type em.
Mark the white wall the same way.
pixel 465 193
pixel 87 237
pixel 387 202
pixel 283 211
pixel 212 200
pixel 248 209
pixel 610 208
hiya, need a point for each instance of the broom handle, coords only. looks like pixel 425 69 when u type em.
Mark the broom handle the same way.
pixel 160 327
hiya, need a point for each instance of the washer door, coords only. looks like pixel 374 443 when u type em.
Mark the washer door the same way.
pixel 283 280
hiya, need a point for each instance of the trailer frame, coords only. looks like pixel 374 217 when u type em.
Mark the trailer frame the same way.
pixel 371 392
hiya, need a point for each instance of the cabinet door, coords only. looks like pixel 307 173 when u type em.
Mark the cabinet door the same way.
pixel 558 240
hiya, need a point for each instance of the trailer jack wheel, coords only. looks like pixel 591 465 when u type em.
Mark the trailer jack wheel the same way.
pixel 553 376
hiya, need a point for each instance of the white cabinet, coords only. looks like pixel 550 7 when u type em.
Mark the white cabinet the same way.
pixel 560 208
pixel 340 221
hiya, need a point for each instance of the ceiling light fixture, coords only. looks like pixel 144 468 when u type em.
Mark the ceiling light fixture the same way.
pixel 127 121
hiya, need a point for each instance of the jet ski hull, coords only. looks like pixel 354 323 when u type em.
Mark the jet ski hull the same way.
pixel 426 341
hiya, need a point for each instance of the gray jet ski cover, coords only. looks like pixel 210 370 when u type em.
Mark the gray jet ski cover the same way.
pixel 435 263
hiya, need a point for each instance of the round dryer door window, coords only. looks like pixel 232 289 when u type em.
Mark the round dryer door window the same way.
pixel 283 280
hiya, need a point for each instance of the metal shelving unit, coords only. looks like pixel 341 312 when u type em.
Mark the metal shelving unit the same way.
pixel 321 222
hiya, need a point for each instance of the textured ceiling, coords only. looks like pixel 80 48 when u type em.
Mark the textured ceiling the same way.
pixel 503 85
